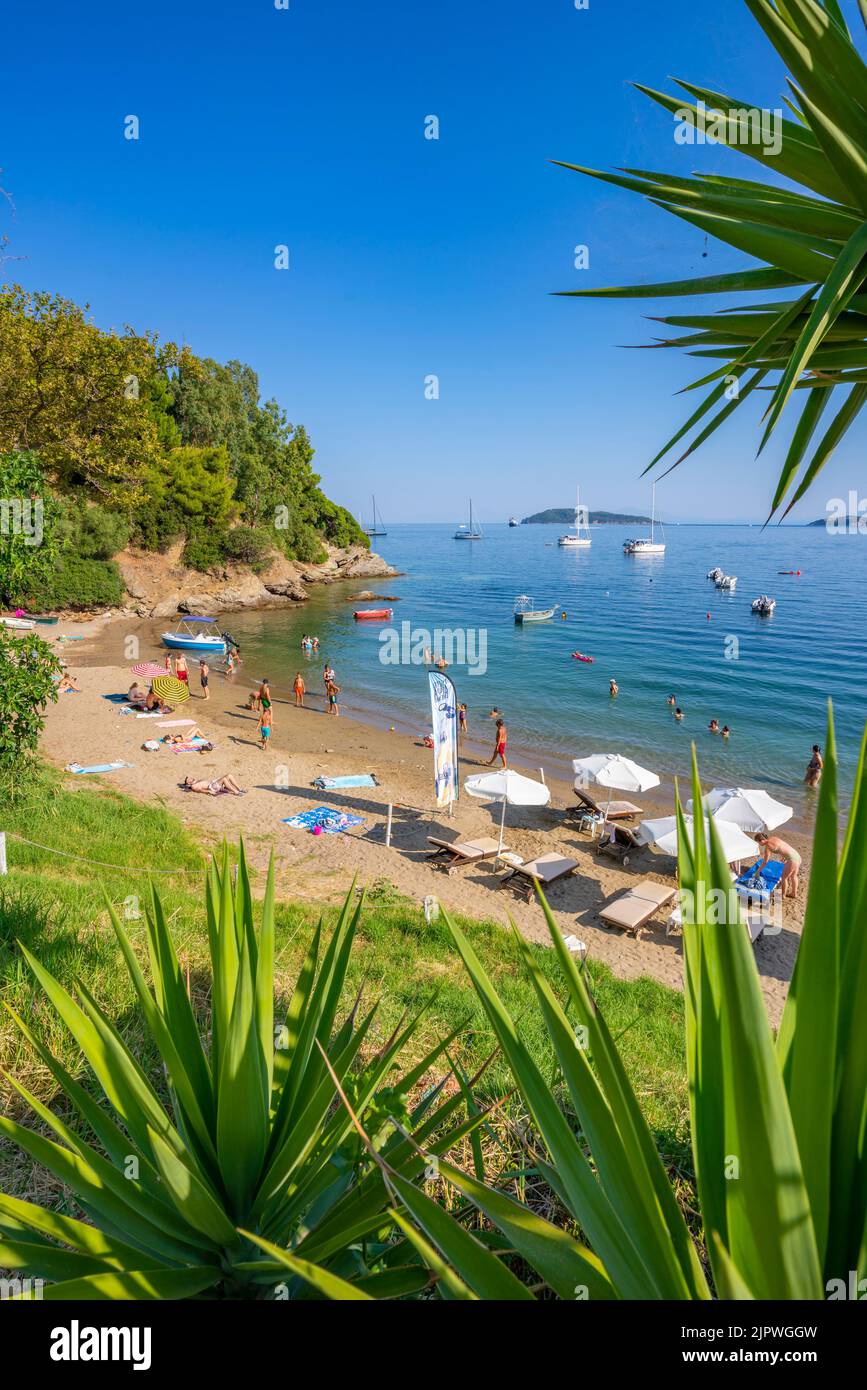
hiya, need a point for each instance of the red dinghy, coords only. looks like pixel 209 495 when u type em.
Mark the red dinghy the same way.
pixel 362 614
pixel 579 656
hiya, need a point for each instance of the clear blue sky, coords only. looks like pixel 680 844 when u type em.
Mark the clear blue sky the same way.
pixel 408 256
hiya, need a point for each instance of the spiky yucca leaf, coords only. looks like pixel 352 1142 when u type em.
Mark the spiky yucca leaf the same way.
pixel 814 236
pixel 248 1153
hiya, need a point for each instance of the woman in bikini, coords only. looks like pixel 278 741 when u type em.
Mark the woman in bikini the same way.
pixel 814 768
pixel 781 849
pixel 502 739
pixel 214 787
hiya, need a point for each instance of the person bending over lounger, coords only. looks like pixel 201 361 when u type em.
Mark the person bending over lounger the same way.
pixel 772 844
pixel 214 787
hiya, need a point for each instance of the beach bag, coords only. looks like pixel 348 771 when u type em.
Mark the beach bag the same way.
pixel 151 745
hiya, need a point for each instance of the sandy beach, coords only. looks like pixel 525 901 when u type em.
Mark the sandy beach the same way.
pixel 89 729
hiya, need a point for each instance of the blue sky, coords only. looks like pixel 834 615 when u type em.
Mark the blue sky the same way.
pixel 408 257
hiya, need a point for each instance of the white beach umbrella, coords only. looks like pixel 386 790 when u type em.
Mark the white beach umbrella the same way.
pixel 508 787
pixel 750 810
pixel 614 771
pixel 663 833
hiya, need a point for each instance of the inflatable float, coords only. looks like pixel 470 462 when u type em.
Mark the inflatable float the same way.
pixel 372 614
pixel 788 571
pixel 579 656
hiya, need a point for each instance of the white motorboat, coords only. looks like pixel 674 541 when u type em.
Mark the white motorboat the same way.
pixel 715 574
pixel 472 531
pixel 188 638
pixel 764 605
pixel 647 545
pixel 513 521
pixel 580 533
pixel 18 624
pixel 526 613
pixel 727 583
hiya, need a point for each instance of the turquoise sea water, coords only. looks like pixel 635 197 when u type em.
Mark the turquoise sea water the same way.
pixel 644 619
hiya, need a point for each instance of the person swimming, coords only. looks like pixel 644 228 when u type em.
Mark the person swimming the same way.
pixel 672 700
pixel 678 713
pixel 714 726
pixel 725 730
pixel 613 687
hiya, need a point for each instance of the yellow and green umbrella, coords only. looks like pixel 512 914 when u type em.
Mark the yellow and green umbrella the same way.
pixel 170 689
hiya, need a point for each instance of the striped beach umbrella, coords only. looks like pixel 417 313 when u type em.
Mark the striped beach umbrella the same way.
pixel 170 689
pixel 149 668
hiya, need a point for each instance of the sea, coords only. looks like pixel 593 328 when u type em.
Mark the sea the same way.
pixel 654 623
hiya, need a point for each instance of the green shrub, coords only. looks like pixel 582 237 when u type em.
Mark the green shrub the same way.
pixel 204 548
pixel 249 545
pixel 76 584
pixel 27 668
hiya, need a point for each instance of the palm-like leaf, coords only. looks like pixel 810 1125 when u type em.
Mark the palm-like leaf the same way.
pixel 249 1154
pixel 813 238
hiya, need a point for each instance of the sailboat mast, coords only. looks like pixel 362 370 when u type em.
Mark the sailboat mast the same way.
pixel 652 511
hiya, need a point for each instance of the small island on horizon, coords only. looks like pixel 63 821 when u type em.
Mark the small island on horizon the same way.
pixel 565 516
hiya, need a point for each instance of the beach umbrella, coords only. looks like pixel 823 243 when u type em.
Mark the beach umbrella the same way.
pixel 750 810
pixel 510 788
pixel 663 833
pixel 170 689
pixel 613 771
pixel 149 668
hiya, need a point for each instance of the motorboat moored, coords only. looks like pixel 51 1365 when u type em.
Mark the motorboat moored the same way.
pixel 526 613
pixel 187 637
pixel 715 574
pixel 727 583
pixel 764 605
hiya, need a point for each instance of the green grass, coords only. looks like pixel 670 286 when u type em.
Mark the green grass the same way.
pixel 55 906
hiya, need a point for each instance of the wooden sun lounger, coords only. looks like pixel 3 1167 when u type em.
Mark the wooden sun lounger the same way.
pixel 618 810
pixel 633 910
pixel 619 841
pixel 457 853
pixel 544 870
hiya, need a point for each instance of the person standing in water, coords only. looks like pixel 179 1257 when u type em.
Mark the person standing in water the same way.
pixel 613 687
pixel 815 767
pixel 500 749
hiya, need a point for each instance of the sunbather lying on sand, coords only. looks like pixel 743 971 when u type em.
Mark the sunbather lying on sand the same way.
pixel 67 682
pixel 215 787
pixel 186 737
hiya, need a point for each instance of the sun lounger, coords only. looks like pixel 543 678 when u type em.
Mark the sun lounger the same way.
pixel 770 876
pixel 544 870
pixel 618 841
pixel 456 853
pixel 617 810
pixel 633 910
pixel 757 919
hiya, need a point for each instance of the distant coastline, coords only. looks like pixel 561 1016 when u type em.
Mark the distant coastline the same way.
pixel 564 516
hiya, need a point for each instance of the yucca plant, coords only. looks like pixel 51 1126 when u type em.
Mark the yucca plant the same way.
pixel 813 238
pixel 779 1126
pixel 244 1174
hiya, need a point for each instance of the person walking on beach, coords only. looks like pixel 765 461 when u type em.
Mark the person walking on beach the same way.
pixel 463 724
pixel 264 726
pixel 332 692
pixel 815 767
pixel 500 750
pixel 181 672
pixel 299 691
pixel 772 844
pixel 204 673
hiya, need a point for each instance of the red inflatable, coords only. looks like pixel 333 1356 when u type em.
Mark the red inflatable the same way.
pixel 579 656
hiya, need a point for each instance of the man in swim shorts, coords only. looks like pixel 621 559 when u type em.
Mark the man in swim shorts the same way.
pixel 502 739
pixel 204 673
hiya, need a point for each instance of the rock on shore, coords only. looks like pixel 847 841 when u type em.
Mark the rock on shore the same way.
pixel 159 585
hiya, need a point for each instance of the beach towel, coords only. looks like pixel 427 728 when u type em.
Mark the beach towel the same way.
pixel 175 723
pixel 117 699
pixel 97 767
pixel 150 714
pixel 364 779
pixel 194 746
pixel 330 822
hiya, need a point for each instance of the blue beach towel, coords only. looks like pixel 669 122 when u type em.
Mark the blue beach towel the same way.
pixel 97 767
pixel 117 699
pixel 364 779
pixel 753 884
pixel 331 821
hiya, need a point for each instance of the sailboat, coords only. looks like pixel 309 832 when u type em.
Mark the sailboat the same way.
pixel 574 537
pixel 647 545
pixel 375 528
pixel 470 531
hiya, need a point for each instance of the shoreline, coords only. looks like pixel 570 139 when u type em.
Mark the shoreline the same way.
pixel 308 743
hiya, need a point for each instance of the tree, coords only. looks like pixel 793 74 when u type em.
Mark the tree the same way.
pixel 27 668
pixel 73 393
pixel 813 241
pixel 29 536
